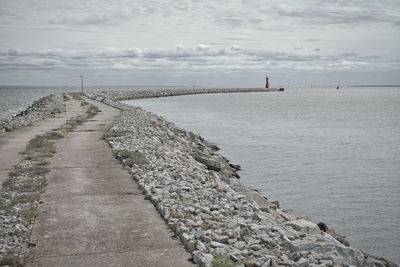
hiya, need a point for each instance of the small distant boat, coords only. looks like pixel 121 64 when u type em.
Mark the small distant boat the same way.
pixel 337 87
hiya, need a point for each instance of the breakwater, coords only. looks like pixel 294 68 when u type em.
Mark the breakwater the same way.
pixel 152 93
pixel 39 110
pixel 198 194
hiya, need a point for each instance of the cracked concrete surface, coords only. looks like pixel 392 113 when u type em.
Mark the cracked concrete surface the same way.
pixel 13 143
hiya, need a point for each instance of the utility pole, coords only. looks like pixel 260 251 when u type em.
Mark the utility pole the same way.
pixel 82 83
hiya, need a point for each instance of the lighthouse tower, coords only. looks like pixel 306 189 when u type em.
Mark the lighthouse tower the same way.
pixel 266 83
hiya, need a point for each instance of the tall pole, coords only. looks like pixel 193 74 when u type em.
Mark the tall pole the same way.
pixel 82 83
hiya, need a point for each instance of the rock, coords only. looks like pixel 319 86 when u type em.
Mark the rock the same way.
pixel 276 203
pixel 234 257
pixel 200 246
pixel 232 241
pixel 251 263
pixel 215 244
pixel 236 232
pixel 251 241
pixel 211 164
pixel 267 263
pixel 206 238
pixel 326 250
pixel 340 238
pixel 322 226
pixel 287 216
pixel 285 263
pixel 198 234
pixel 255 247
pixel 235 166
pixel 246 253
pixel 221 238
pixel 239 244
pixel 304 227
pixel 264 238
pixel 302 262
pixel 197 256
pixel 244 231
pixel 258 216
pixel 371 260
pixel 191 246
pixel 290 233
pixel 208 258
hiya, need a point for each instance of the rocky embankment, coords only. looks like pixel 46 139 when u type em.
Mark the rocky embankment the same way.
pixel 154 93
pixel 198 194
pixel 39 110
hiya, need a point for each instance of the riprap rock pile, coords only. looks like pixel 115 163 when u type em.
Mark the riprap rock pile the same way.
pixel 152 93
pixel 39 110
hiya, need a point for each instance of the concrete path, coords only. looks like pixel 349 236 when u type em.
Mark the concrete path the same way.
pixel 94 214
pixel 12 143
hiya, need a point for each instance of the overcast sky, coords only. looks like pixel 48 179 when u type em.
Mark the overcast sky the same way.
pixel 212 42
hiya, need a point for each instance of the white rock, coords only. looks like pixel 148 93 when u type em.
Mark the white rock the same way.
pixel 215 244
pixel 200 246
pixel 304 227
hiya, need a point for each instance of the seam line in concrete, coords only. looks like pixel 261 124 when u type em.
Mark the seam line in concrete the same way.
pixel 121 194
pixel 85 167
pixel 90 254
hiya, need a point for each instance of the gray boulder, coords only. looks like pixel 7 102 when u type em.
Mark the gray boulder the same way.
pixel 304 226
pixel 323 248
pixel 211 164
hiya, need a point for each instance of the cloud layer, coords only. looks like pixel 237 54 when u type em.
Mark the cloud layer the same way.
pixel 202 57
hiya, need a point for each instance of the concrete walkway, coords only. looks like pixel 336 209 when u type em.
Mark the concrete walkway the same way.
pixel 13 143
pixel 93 213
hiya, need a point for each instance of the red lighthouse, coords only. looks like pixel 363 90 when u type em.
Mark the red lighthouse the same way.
pixel 266 83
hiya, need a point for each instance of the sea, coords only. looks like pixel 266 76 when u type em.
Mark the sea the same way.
pixel 332 155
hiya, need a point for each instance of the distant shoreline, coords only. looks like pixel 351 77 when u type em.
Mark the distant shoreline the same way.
pixel 379 85
pixel 178 86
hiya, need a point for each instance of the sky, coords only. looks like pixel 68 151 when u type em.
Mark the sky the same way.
pixel 211 43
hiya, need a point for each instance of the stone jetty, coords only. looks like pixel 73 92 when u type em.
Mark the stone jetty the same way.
pixel 195 190
pixel 154 93
pixel 39 110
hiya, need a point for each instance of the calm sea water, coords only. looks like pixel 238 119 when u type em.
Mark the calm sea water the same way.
pixel 333 155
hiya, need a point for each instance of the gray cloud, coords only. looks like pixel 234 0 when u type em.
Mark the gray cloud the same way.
pixel 313 40
pixel 342 12
pixel 200 57
pixel 235 13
